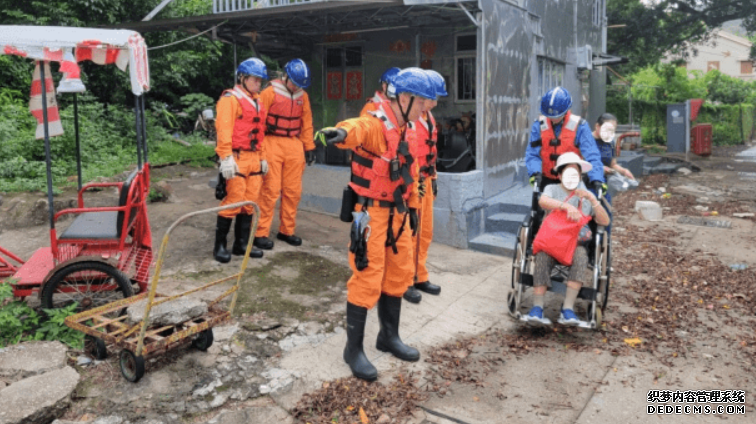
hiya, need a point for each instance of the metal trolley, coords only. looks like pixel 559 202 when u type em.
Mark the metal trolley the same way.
pixel 107 324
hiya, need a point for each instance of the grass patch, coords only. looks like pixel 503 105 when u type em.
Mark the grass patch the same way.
pixel 291 285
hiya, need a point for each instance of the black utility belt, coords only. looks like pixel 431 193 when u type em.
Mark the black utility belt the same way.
pixel 243 150
pixel 366 201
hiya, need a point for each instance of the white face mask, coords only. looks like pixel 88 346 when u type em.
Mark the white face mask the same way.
pixel 607 132
pixel 570 178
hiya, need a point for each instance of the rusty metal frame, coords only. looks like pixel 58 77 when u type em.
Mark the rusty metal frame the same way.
pixel 93 321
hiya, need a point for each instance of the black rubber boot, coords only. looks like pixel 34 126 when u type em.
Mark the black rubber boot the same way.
pixel 429 288
pixel 354 356
pixel 263 243
pixel 292 239
pixel 220 253
pixel 389 310
pixel 412 295
pixel 241 236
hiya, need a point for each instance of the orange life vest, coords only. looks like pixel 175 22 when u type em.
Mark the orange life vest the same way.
pixel 379 99
pixel 553 147
pixel 372 173
pixel 285 114
pixel 249 130
pixel 427 151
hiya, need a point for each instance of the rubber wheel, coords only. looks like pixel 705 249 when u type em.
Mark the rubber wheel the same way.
pixel 95 347
pixel 599 316
pixel 608 272
pixel 204 340
pixel 132 366
pixel 516 259
pixel 74 283
pixel 512 305
pixel 606 269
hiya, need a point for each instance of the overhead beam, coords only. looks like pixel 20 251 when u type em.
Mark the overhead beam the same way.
pixel 469 15
pixel 157 10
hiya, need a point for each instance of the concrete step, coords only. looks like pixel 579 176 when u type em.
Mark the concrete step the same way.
pixel 508 222
pixel 651 161
pixel 513 200
pixel 666 168
pixel 499 243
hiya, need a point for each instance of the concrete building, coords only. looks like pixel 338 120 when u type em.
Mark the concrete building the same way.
pixel 498 57
pixel 725 52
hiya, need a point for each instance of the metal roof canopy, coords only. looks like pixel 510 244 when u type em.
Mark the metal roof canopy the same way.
pixel 292 30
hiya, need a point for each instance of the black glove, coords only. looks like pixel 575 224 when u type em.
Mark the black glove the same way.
pixel 413 221
pixel 599 187
pixel 434 186
pixel 330 136
pixel 310 157
pixel 421 188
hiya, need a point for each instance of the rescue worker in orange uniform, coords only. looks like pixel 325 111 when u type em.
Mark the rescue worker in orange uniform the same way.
pixel 381 96
pixel 427 153
pixel 289 144
pixel 240 126
pixel 384 178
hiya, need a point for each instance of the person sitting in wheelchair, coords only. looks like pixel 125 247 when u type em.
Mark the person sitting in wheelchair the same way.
pixel 567 196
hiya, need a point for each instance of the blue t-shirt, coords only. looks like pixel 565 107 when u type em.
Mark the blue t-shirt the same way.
pixel 606 150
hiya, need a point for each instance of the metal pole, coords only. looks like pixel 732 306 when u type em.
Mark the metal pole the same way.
pixel 138 131
pixel 236 65
pixel 78 145
pixel 417 49
pixel 48 158
pixel 144 129
pixel 630 104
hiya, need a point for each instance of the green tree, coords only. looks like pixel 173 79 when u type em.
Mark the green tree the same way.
pixel 663 26
pixel 667 83
pixel 198 65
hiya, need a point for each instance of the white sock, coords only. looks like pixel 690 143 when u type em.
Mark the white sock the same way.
pixel 538 300
pixel 569 298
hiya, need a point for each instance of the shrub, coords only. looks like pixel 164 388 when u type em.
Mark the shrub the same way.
pixel 19 322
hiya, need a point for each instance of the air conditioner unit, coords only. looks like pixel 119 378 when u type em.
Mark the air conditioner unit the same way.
pixel 585 57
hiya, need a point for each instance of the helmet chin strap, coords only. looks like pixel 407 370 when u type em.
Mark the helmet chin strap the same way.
pixel 405 115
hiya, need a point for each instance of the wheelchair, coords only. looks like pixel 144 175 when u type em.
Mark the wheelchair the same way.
pixel 523 262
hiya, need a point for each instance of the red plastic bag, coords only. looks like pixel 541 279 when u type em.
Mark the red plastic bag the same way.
pixel 558 235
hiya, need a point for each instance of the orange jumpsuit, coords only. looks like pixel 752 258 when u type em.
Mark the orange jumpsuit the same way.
pixel 424 235
pixel 373 103
pixel 286 161
pixel 238 189
pixel 386 272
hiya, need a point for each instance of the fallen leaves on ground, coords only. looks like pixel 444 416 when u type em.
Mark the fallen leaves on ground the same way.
pixel 351 400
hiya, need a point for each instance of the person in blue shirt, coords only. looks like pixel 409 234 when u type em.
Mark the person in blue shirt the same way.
pixel 604 132
pixel 556 132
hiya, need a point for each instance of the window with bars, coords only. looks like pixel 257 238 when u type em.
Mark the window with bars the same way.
pixel 465 47
pixel 550 75
pixel 746 67
pixel 598 12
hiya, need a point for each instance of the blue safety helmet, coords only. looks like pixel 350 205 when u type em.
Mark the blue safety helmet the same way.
pixel 438 82
pixel 556 103
pixel 414 81
pixel 298 73
pixel 254 67
pixel 390 73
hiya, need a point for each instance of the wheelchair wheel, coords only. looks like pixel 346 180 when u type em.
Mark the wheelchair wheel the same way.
pixel 518 265
pixel 605 275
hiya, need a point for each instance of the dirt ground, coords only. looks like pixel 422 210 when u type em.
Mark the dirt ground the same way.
pixel 672 289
